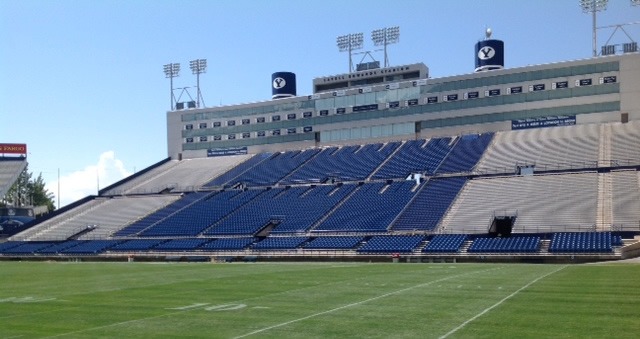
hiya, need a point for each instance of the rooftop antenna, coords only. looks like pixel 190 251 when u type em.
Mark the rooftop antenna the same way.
pixel 350 42
pixel 198 66
pixel 384 37
pixel 593 6
pixel 171 71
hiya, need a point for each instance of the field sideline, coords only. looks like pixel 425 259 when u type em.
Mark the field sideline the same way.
pixel 318 300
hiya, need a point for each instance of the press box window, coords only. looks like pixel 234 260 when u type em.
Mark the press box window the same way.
pixel 246 135
pixel 260 119
pixel 189 140
pixel 217 124
pixel 188 127
pixel 203 125
pixel 203 139
pixel 275 132
pixel 275 118
pixel 246 121
pixel 231 136
pixel 217 137
pixel 261 133
pixel 291 116
pixel 231 123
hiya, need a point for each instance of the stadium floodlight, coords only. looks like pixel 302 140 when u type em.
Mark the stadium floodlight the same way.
pixel 593 6
pixel 384 37
pixel 171 71
pixel 198 66
pixel 349 43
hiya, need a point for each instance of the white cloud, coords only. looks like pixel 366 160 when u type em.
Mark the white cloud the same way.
pixel 79 184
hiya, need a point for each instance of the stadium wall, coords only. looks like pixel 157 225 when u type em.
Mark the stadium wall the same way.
pixel 594 90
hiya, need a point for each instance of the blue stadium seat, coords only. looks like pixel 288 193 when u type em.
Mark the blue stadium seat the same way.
pixel 291 210
pixel 391 244
pixel 197 217
pixel 280 243
pixel 181 244
pixel 466 153
pixel 91 247
pixel 334 243
pixel 581 242
pixel 229 176
pixel 362 212
pixel 415 156
pixel 228 244
pixel 430 205
pixel 347 163
pixel 136 245
pixel 513 244
pixel 445 243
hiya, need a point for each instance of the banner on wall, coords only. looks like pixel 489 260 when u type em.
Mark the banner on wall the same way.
pixel 221 152
pixel 551 121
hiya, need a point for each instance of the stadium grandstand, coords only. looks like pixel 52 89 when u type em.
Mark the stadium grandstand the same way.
pixel 538 163
pixel 13 160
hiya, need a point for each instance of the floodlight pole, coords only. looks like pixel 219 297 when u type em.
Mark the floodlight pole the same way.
pixel 386 58
pixel 386 36
pixel 594 42
pixel 198 66
pixel 349 43
pixel 593 6
pixel 171 71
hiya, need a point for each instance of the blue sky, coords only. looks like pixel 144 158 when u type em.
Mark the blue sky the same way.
pixel 81 82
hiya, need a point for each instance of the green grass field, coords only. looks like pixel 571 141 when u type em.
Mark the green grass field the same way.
pixel 318 300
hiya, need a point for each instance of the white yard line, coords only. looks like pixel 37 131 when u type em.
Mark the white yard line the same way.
pixel 499 303
pixel 359 303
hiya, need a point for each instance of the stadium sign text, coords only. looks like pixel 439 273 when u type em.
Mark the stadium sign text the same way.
pixel 13 148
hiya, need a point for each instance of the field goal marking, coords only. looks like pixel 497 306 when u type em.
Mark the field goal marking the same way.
pixel 499 302
pixel 361 302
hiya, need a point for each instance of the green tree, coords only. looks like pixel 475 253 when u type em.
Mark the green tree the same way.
pixel 27 191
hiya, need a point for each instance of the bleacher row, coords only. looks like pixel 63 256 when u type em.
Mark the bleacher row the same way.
pixel 568 242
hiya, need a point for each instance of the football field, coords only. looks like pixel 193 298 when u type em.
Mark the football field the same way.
pixel 318 300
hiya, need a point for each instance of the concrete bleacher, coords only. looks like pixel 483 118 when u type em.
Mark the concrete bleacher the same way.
pixel 178 176
pixel 625 196
pixel 97 219
pixel 543 203
pixel 557 148
pixel 10 169
pixel 625 139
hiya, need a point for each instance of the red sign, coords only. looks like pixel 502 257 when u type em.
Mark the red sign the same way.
pixel 13 148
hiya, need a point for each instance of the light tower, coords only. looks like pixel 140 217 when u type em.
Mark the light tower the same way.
pixel 198 66
pixel 386 36
pixel 171 71
pixel 350 42
pixel 593 6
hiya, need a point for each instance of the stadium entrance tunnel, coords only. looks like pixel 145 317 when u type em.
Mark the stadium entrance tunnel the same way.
pixel 266 229
pixel 502 225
